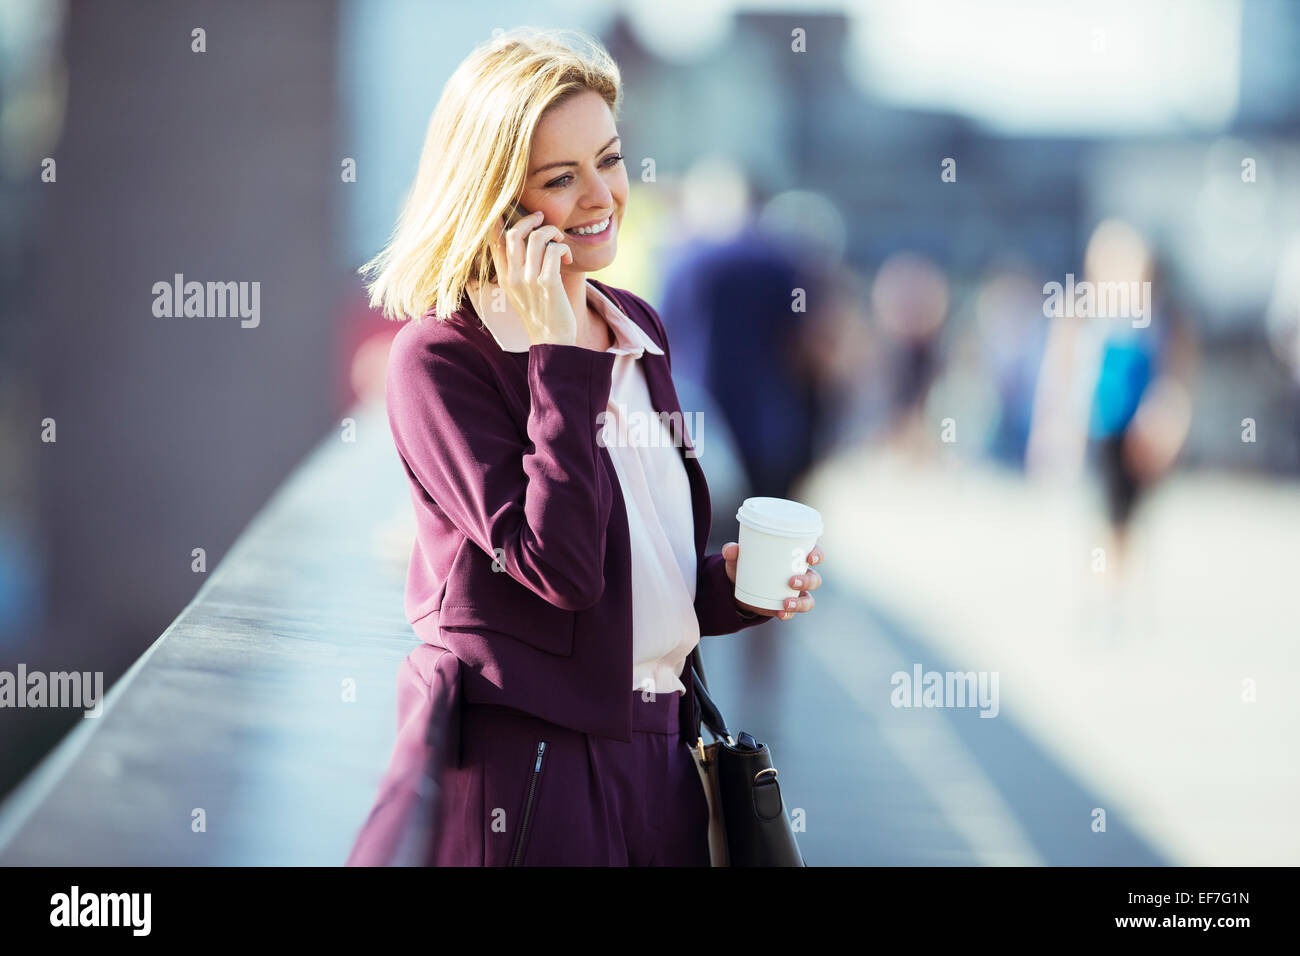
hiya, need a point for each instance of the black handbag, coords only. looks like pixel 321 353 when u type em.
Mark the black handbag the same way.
pixel 748 825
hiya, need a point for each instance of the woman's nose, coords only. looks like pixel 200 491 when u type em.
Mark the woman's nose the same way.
pixel 598 195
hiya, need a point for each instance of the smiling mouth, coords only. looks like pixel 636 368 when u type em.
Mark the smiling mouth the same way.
pixel 593 230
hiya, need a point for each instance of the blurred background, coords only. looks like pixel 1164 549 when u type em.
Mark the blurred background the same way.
pixel 850 217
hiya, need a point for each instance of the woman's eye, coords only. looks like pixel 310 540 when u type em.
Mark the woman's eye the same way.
pixel 609 163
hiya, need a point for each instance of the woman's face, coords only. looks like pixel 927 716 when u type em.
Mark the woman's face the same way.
pixel 576 177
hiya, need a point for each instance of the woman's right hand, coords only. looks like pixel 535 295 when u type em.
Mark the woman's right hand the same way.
pixel 527 259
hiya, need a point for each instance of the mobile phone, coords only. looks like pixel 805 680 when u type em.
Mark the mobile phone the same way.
pixel 517 212
pixel 514 214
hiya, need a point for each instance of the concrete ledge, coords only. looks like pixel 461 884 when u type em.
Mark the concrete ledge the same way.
pixel 239 709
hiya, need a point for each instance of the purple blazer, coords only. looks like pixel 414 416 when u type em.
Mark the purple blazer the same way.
pixel 521 566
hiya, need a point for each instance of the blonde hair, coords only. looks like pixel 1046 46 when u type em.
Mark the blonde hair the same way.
pixel 475 161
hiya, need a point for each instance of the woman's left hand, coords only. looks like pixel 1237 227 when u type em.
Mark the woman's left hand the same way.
pixel 810 580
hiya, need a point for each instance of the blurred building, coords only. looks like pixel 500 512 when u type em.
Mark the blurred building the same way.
pixel 221 165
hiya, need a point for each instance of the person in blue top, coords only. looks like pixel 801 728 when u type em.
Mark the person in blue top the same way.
pixel 1140 405
pixel 1116 388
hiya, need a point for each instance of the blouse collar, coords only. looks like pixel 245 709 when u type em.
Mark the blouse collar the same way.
pixel 508 329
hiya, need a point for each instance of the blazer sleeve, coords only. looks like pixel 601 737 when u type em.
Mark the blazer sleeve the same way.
pixel 542 500
pixel 715 593
pixel 715 599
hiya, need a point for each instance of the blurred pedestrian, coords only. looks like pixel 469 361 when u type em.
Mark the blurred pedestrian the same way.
pixel 741 297
pixel 1115 389
pixel 909 297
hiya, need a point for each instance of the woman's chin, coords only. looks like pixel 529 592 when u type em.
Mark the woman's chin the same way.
pixel 591 263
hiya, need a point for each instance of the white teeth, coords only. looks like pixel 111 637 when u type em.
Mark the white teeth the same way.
pixel 590 230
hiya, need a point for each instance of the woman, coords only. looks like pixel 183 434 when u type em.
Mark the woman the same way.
pixel 557 699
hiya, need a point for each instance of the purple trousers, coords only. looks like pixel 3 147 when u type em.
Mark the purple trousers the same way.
pixel 526 792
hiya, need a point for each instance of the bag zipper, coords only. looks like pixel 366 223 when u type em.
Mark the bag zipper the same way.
pixel 528 803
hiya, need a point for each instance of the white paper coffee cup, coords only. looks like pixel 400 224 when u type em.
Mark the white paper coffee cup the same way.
pixel 776 535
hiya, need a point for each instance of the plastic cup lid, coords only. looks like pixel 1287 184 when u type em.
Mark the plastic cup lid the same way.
pixel 780 516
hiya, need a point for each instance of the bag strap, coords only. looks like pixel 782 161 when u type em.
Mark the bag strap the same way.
pixel 706 711
pixel 697 661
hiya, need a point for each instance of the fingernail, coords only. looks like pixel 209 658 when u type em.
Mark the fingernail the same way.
pixel 791 603
pixel 798 582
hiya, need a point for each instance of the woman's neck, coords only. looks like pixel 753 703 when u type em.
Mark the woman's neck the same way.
pixel 575 287
pixel 597 334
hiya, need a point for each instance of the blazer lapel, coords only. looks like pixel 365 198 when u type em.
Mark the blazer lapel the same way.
pixel 663 396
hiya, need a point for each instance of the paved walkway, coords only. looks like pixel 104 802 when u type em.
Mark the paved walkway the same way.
pixel 1138 712
pixel 954 569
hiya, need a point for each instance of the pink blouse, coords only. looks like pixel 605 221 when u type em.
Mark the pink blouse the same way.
pixel 656 494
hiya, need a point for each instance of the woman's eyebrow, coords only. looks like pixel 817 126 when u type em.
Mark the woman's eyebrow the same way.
pixel 570 162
